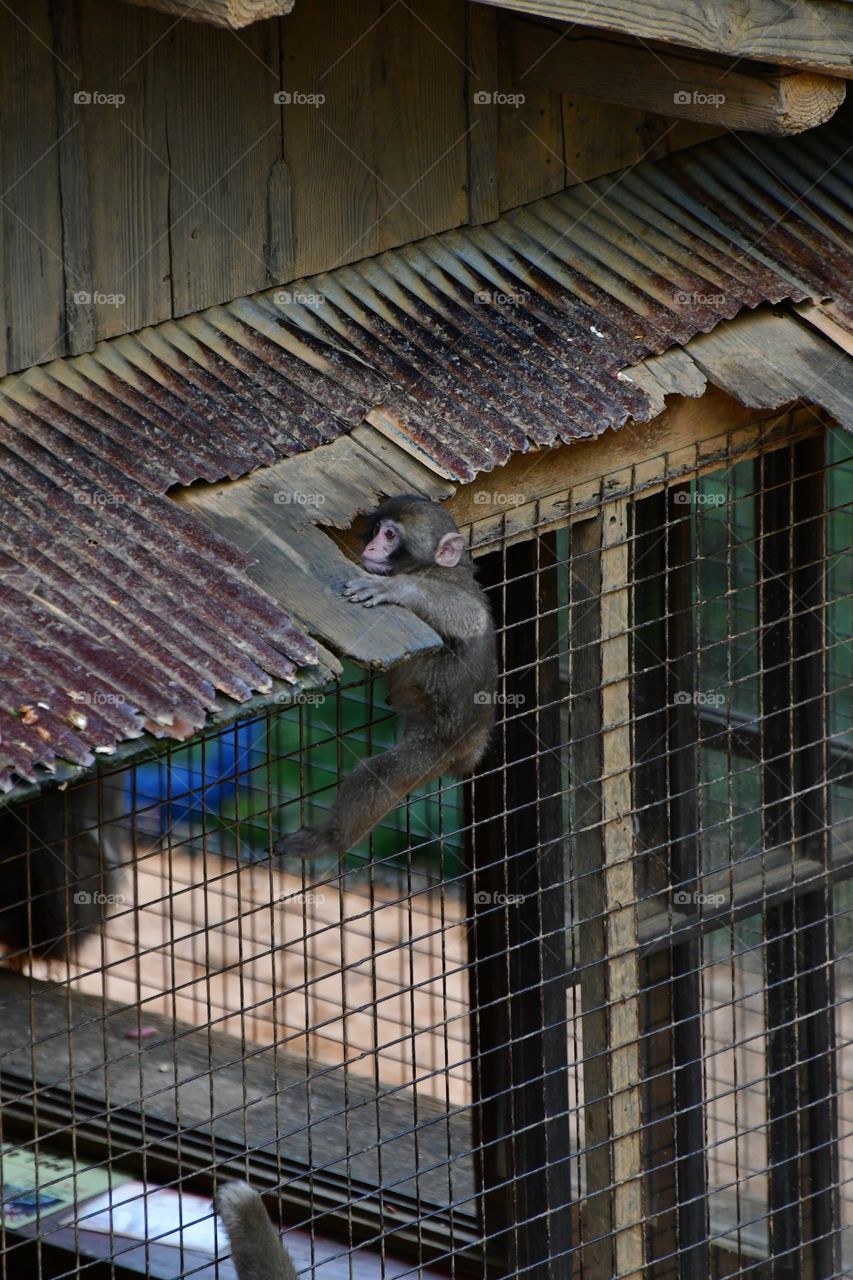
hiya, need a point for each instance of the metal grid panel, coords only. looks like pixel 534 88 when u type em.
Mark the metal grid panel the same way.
pixel 578 1018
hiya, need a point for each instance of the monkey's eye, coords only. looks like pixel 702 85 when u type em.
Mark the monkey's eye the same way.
pixel 390 535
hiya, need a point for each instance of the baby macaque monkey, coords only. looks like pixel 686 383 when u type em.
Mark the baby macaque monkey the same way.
pixel 416 557
pixel 256 1248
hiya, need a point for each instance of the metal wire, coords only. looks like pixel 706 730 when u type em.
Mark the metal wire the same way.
pixel 585 1015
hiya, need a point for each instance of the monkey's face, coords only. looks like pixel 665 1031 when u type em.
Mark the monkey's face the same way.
pixel 419 540
pixel 383 548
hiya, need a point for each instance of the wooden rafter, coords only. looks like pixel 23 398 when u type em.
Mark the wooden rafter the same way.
pixel 814 35
pixel 220 13
pixel 687 85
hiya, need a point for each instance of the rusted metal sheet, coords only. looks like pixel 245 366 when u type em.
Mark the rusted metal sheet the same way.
pixel 123 610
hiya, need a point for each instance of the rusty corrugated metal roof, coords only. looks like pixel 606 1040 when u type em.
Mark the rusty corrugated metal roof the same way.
pixel 122 611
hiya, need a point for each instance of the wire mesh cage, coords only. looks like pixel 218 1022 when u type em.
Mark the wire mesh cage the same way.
pixel 583 1014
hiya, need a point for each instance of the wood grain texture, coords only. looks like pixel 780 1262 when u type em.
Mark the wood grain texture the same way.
pixel 274 516
pixel 745 96
pixel 222 13
pixel 815 35
pixel 223 125
pixel 530 136
pixel 481 55
pixel 73 185
pixel 128 167
pixel 420 127
pixel 33 278
pixel 328 49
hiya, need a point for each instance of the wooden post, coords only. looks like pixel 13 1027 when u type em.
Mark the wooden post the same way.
pixel 604 873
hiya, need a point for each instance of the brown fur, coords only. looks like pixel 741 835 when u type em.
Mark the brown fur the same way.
pixel 447 697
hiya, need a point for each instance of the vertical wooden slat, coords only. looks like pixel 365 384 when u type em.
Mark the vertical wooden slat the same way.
pixel 482 59
pixel 73 177
pixel 420 123
pixel 33 289
pixel 610 981
pixel 530 134
pixel 127 155
pixel 329 49
pixel 221 88
pixel 620 894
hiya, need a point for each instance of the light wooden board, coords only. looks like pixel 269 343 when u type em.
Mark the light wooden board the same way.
pixel 814 34
pixel 709 90
pixel 223 13
pixel 274 515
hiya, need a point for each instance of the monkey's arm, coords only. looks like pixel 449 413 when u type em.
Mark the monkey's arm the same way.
pixel 256 1250
pixel 447 608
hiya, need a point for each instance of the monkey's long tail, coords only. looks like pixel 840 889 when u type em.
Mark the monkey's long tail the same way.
pixel 256 1250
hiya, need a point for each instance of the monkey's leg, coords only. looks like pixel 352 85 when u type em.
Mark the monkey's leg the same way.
pixel 373 788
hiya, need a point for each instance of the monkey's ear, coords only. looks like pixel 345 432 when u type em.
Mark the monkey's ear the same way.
pixel 449 549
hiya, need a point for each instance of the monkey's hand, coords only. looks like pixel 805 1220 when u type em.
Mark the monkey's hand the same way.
pixel 370 589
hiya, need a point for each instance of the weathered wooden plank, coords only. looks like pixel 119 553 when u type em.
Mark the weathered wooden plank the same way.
pixel 813 34
pixel 73 179
pixel 687 86
pixel 33 293
pixel 530 135
pixel 621 929
pixel 481 54
pixel 128 166
pixel 260 1109
pixel 329 51
pixel 420 127
pixel 767 360
pixel 602 137
pixel 222 13
pixel 274 514
pixel 224 132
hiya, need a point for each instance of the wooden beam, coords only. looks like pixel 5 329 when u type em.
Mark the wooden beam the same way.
pixel 814 35
pixel 689 86
pixel 221 13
